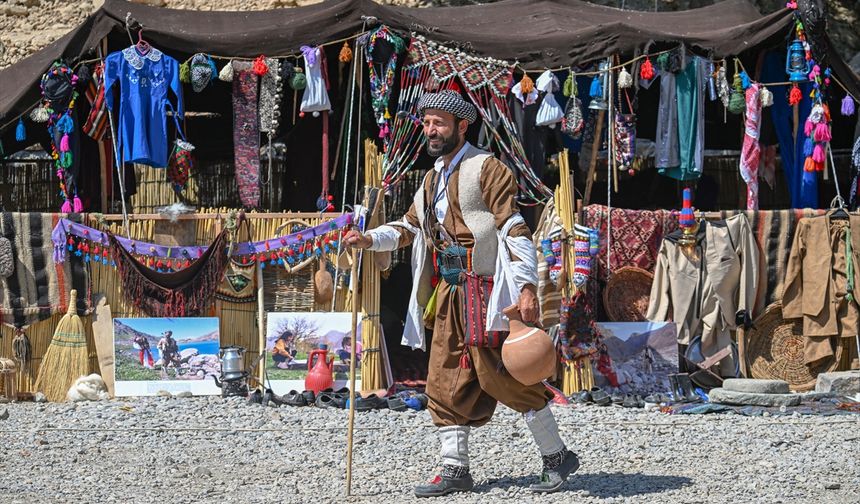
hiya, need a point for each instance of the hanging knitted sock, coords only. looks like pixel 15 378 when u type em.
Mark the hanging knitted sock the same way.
pixel 582 268
pixel 555 269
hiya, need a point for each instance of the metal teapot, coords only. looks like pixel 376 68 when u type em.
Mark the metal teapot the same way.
pixel 233 375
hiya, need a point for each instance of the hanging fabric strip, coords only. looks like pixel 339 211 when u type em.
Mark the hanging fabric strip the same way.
pixel 246 134
pixel 181 294
pixel 751 150
pixel 66 228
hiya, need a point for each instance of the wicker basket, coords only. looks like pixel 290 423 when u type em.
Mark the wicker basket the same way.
pixel 774 351
pixel 627 294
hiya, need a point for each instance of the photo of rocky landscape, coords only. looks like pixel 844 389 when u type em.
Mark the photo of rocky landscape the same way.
pixel 643 355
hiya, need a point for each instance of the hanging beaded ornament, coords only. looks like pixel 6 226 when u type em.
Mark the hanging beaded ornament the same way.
pixel 59 95
pixel 380 86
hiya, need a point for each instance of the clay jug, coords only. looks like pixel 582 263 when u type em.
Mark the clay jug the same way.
pixel 323 284
pixel 320 371
pixel 528 353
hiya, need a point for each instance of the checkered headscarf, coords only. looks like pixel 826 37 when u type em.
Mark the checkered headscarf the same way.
pixel 449 101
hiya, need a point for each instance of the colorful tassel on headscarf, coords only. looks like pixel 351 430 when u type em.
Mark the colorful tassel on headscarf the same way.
pixel 345 55
pixel 646 72
pixel 596 90
pixel 822 132
pixel 818 153
pixel 847 105
pixel 808 145
pixel 185 73
pixel 260 67
pixel 527 85
pixel 795 95
pixel 20 131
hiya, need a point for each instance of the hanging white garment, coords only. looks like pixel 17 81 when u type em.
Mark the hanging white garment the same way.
pixel 315 97
pixel 550 112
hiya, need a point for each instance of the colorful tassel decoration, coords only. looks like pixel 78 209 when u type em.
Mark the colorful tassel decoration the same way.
pixel 745 80
pixel 41 115
pixel 185 73
pixel 78 206
pixel 808 145
pixel 569 88
pixel 794 96
pixel 20 131
pixel 67 207
pixel 808 127
pixel 822 132
pixel 663 61
pixel 226 73
pixel 527 85
pixel 766 97
pixel 646 72
pixel 818 153
pixel 345 55
pixel 625 80
pixel 64 143
pixel 260 67
pixel 847 105
pixel 809 165
pixel 596 90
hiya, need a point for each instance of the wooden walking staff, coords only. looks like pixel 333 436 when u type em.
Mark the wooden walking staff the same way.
pixel 353 279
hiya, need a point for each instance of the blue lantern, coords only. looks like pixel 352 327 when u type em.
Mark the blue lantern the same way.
pixel 796 65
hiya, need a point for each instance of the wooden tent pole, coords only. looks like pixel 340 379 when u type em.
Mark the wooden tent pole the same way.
pixel 261 326
pixel 592 166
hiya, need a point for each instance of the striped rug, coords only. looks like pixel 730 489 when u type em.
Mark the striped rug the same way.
pixel 38 288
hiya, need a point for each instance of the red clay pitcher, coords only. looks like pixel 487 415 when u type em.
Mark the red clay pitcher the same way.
pixel 320 373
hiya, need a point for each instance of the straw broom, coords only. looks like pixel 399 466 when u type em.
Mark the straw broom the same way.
pixel 67 358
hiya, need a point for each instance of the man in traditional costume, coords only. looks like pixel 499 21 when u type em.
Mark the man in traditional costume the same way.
pixel 466 219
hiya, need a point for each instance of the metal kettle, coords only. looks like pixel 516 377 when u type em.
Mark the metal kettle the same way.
pixel 231 358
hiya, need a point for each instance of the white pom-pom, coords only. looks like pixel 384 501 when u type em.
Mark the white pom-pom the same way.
pixel 625 80
pixel 316 114
pixel 40 115
pixel 766 97
pixel 226 73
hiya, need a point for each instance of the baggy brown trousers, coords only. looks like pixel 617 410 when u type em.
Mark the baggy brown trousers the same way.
pixel 461 396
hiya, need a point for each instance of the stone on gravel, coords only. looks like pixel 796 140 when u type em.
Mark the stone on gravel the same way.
pixel 721 396
pixel 832 486
pixel 164 393
pixel 39 397
pixel 4 414
pixel 752 386
pixel 185 393
pixel 839 382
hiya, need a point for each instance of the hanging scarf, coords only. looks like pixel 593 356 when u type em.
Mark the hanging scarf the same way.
pixel 246 134
pixel 184 293
pixel 751 150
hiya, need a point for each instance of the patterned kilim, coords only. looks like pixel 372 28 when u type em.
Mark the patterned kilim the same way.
pixel 38 288
pixel 637 235
pixel 430 67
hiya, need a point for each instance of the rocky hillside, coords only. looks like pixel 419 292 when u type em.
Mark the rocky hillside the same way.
pixel 28 25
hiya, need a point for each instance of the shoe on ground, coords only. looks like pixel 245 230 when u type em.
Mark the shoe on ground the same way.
pixel 552 479
pixel 294 398
pixel 441 485
pixel 256 397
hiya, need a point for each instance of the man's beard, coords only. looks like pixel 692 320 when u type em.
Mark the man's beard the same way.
pixel 448 145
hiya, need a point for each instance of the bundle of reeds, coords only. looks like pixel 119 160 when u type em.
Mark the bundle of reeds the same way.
pixel 67 358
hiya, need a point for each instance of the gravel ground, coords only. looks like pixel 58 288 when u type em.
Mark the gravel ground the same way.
pixel 223 450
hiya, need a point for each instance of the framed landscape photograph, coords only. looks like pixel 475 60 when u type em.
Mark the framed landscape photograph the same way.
pixel 292 337
pixel 171 354
pixel 643 354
